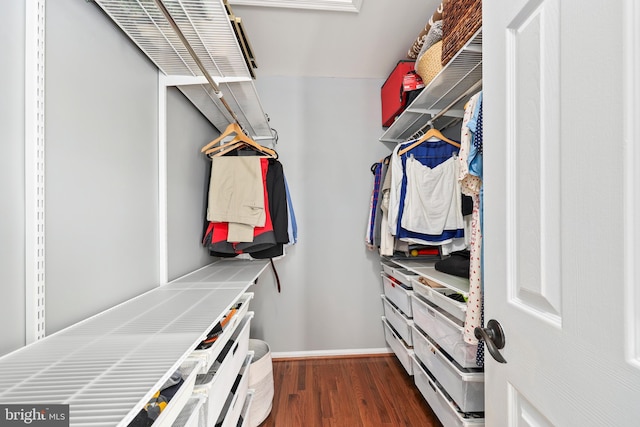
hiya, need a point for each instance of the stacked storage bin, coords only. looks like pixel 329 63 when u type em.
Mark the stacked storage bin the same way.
pixel 442 363
pixel 398 317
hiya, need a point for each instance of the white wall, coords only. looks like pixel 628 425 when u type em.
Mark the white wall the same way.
pixel 12 306
pixel 330 300
pixel 101 165
pixel 101 170
pixel 188 175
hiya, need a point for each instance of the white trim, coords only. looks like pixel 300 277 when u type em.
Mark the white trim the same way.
pixel 327 5
pixel 163 215
pixel 329 353
pixel 631 68
pixel 34 170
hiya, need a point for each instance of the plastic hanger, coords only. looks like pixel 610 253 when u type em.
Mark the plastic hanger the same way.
pixel 431 133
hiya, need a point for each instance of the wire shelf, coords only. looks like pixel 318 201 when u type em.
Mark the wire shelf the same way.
pixel 460 74
pixel 108 366
pixel 206 25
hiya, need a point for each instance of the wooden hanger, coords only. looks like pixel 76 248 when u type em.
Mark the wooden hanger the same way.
pixel 239 141
pixel 228 148
pixel 228 144
pixel 431 133
pixel 230 130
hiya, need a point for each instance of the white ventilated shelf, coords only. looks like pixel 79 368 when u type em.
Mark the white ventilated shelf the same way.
pixel 460 74
pixel 228 273
pixel 108 366
pixel 206 26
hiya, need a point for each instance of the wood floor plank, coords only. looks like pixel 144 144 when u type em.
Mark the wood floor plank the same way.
pixel 346 392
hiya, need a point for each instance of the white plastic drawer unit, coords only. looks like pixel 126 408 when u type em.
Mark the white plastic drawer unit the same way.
pixel 244 415
pixel 444 332
pixel 210 354
pixel 442 297
pixel 401 274
pixel 232 410
pixel 398 294
pixel 464 386
pixel 398 321
pixel 402 352
pixel 218 381
pixel 176 405
pixel 444 408
pixel 192 414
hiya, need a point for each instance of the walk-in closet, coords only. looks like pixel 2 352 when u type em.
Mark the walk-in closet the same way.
pixel 320 212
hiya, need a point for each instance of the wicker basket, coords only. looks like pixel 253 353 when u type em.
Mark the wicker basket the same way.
pixel 429 64
pixel 461 20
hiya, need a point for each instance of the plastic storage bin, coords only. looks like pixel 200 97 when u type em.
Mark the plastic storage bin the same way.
pixel 440 297
pixel 244 415
pixel 210 354
pixel 234 404
pixel 218 381
pixel 401 274
pixel 464 386
pixel 444 332
pixel 401 351
pixel 398 321
pixel 442 405
pixel 176 405
pixel 398 294
pixel 192 414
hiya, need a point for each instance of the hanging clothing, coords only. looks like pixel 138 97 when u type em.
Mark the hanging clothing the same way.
pixel 277 204
pixel 268 240
pixel 263 237
pixel 376 169
pixel 236 195
pixel 292 227
pixel 432 202
pixel 377 226
pixel 430 154
pixel 397 174
pixel 471 183
pixel 386 238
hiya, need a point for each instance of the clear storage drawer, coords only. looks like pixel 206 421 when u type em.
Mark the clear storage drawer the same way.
pixel 401 351
pixel 398 294
pixel 465 386
pixel 398 321
pixel 442 406
pixel 447 334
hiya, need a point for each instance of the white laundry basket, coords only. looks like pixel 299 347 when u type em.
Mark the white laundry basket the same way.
pixel 260 380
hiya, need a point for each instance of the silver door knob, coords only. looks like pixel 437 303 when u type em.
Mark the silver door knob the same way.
pixel 493 336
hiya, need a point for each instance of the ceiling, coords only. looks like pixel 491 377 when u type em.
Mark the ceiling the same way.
pixel 320 43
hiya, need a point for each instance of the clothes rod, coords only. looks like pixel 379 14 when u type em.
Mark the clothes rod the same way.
pixel 195 57
pixel 442 112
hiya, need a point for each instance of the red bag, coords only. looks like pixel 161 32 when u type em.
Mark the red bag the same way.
pixel 393 93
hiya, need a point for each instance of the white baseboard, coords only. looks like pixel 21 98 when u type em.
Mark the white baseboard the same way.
pixel 330 353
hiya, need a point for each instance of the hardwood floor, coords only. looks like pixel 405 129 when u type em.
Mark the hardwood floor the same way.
pixel 370 391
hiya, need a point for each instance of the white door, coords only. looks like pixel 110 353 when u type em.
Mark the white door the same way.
pixel 562 211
